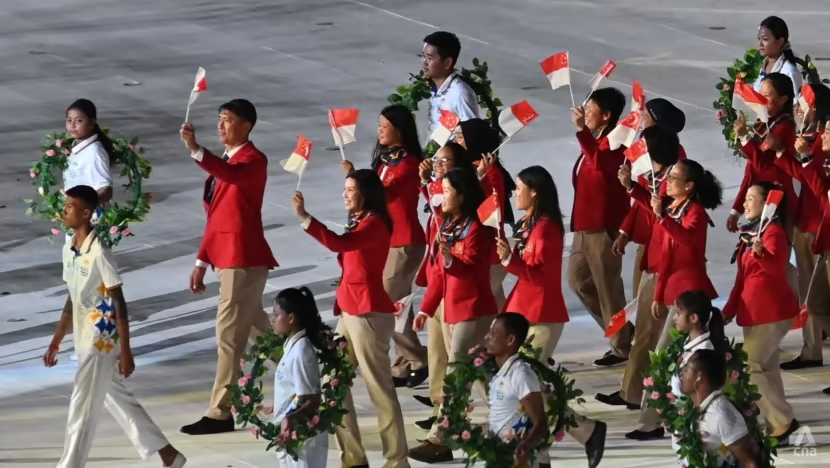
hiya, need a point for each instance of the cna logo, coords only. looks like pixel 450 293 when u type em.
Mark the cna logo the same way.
pixel 802 442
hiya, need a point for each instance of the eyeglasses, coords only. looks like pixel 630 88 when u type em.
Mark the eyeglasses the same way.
pixel 672 178
pixel 442 161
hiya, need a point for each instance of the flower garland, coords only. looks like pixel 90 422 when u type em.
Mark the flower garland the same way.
pixel 419 90
pixel 247 396
pixel 477 365
pixel 681 417
pixel 113 221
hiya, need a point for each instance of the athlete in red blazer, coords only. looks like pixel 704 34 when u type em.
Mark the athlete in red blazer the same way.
pixel 599 201
pixel 815 172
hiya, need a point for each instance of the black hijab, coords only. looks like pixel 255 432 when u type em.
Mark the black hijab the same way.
pixel 480 139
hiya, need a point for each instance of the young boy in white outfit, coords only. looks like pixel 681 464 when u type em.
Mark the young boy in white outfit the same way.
pixel 97 314
pixel 515 386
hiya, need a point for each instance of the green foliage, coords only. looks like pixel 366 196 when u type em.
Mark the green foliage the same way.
pixel 113 222
pixel 748 70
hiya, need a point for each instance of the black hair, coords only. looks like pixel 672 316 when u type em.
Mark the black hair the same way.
pixel 663 145
pixel 241 108
pixel 461 158
pixel 86 107
pixel 403 122
pixel 515 324
pixel 711 364
pixel 481 138
pixel 779 29
pixel 469 188
pixel 373 194
pixel 546 202
pixel 300 303
pixel 87 195
pixel 446 43
pixel 610 100
pixel 781 211
pixel 822 112
pixel 708 190
pixel 698 303
pixel 783 85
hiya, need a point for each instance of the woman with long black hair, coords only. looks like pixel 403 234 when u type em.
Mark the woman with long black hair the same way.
pixel 461 279
pixel 395 158
pixel 536 260
pixel 774 46
pixel 762 307
pixel 366 313
pixel 88 161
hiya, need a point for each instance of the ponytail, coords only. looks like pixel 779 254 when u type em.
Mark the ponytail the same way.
pixel 717 334
pixel 708 190
pixel 105 142
pixel 87 107
pixel 698 303
pixel 300 303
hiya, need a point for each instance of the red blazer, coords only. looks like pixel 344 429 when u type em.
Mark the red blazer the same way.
pixel 234 236
pixel 434 220
pixel 600 201
pixel 464 286
pixel 401 182
pixel 361 254
pixel 682 265
pixel 808 213
pixel 815 177
pixel 538 291
pixel 760 294
pixel 761 168
pixel 494 180
pixel 650 261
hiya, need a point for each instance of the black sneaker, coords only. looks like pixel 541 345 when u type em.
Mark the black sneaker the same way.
pixel 610 359
pixel 655 434
pixel 826 391
pixel 614 399
pixel 207 426
pixel 424 400
pixel 426 424
pixel 799 363
pixel 417 377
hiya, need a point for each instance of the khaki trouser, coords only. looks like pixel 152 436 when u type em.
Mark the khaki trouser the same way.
pixel 818 299
pixel 806 263
pixel 761 344
pixel 369 336
pixel 545 336
pixel 437 357
pixel 638 273
pixel 497 275
pixel 594 275
pixel 402 265
pixel 240 316
pixel 647 332
pixel 459 338
pixel 649 416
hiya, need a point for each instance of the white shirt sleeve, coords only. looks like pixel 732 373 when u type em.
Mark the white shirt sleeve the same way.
pixel 202 264
pixel 108 268
pixel 306 373
pixel 729 426
pixel 198 155
pixel 524 382
pixel 466 101
pixel 306 223
pixel 97 168
pixel 506 261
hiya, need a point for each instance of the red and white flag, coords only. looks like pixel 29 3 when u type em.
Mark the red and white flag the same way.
pixel 299 158
pixel 489 213
pixel 807 100
pixel 604 72
pixel 746 99
pixel 199 86
pixel 637 155
pixel 618 320
pixel 625 131
pixel 516 117
pixel 800 319
pixel 343 123
pixel 447 124
pixel 557 69
pixel 638 98
pixel 774 198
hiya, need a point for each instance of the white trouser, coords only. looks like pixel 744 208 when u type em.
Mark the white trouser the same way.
pixel 98 384
pixel 314 454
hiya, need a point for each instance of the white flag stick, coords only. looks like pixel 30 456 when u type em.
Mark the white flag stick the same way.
pixel 187 113
pixel 299 180
pixel 821 258
pixel 801 128
pixel 342 153
pixel 573 103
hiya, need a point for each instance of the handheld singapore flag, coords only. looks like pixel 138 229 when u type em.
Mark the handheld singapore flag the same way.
pixel 746 99
pixel 343 123
pixel 800 319
pixel 558 72
pixel 806 101
pixel 618 320
pixel 625 131
pixel 447 124
pixel 774 198
pixel 489 213
pixel 515 118
pixel 199 86
pixel 638 97
pixel 604 72
pixel 298 160
pixel 637 155
pixel 402 312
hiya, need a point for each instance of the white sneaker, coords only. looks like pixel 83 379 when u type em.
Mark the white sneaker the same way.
pixel 178 462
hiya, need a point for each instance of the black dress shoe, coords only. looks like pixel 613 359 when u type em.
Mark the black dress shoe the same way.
pixel 207 426
pixel 784 439
pixel 417 377
pixel 610 359
pixel 826 391
pixel 431 453
pixel 799 363
pixel 595 447
pixel 424 400
pixel 426 424
pixel 655 434
pixel 614 399
pixel 400 381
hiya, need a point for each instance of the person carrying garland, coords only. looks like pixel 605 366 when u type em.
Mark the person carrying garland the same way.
pixel 515 391
pixel 722 427
pixel 366 313
pixel 536 261
pixel 663 150
pixel 395 159
pixel 762 308
pixel 774 46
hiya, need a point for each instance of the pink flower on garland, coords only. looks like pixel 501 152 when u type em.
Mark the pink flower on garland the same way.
pixel 478 362
pixel 734 376
pixel 313 422
pixel 50 153
pixel 58 143
pixel 726 87
pixel 334 382
pixel 114 230
pixel 242 381
pixel 472 350
pixel 125 232
pixel 648 382
pixel 471 408
pixel 445 423
pixel 234 411
pixel 241 362
pixel 246 399
pixel 681 411
pixel 343 344
pixel 255 431
pixel 560 435
pixel 728 356
pixel 65 151
pixel 671 397
pixel 333 403
pixel 55 232
pixel 293 435
pixel 465 435
pixel 655 395
pixel 32 174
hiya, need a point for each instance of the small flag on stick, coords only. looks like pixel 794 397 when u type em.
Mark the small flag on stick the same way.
pixel 298 160
pixel 489 213
pixel 800 319
pixel 515 118
pixel 557 70
pixel 343 123
pixel 638 98
pixel 618 320
pixel 806 101
pixel 447 124
pixel 637 155
pixel 774 198
pixel 199 86
pixel 746 99
pixel 625 131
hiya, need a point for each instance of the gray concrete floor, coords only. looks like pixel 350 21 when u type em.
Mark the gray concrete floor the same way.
pixel 294 59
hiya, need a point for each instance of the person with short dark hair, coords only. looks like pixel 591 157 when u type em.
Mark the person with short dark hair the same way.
pixel 234 245
pixel 439 60
pixel 366 313
pixel 96 312
pixel 725 436
pixel 600 206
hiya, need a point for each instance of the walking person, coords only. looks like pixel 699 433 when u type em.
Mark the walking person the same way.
pixel 536 261
pixel 366 314
pixel 234 245
pixel 450 92
pixel 396 159
pixel 774 45
pixel 96 312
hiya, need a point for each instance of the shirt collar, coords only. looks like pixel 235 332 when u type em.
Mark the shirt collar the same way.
pixel 293 340
pixel 81 145
pixel 704 405
pixel 692 344
pixel 86 245
pixel 506 367
pixel 235 150
pixel 445 86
